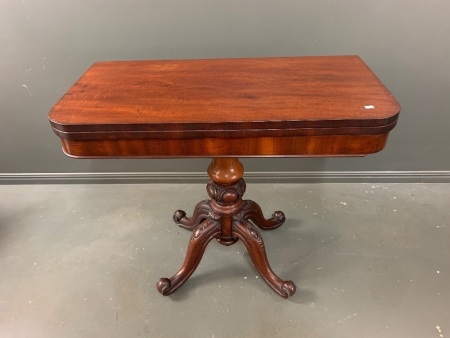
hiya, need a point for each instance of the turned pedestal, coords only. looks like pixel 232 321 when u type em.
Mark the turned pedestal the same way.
pixel 227 218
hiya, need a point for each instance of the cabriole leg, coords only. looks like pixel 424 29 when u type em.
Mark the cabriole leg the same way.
pixel 252 211
pixel 200 238
pixel 253 241
pixel 201 212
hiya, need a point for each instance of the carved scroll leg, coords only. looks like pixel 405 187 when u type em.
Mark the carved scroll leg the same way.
pixel 253 212
pixel 248 234
pixel 200 238
pixel 201 212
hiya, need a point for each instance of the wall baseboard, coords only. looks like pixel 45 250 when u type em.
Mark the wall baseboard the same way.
pixel 255 177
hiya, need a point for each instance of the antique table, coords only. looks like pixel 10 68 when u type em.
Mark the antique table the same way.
pixel 225 109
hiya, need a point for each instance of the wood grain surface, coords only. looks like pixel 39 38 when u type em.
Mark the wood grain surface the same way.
pixel 251 103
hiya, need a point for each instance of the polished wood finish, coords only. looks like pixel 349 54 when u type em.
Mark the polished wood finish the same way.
pixel 227 218
pixel 225 170
pixel 225 109
pixel 195 108
pixel 330 146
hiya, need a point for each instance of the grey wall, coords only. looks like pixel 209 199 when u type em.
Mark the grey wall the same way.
pixel 46 45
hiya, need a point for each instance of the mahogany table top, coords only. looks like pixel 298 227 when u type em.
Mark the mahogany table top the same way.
pixel 283 106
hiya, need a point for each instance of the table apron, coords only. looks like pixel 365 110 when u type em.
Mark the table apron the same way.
pixel 288 146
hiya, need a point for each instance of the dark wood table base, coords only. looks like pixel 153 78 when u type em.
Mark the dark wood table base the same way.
pixel 228 218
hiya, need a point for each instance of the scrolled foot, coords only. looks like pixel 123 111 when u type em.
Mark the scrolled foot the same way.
pixel 288 288
pixel 279 216
pixel 178 215
pixel 164 285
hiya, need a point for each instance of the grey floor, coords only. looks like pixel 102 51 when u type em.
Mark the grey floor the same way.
pixel 369 260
